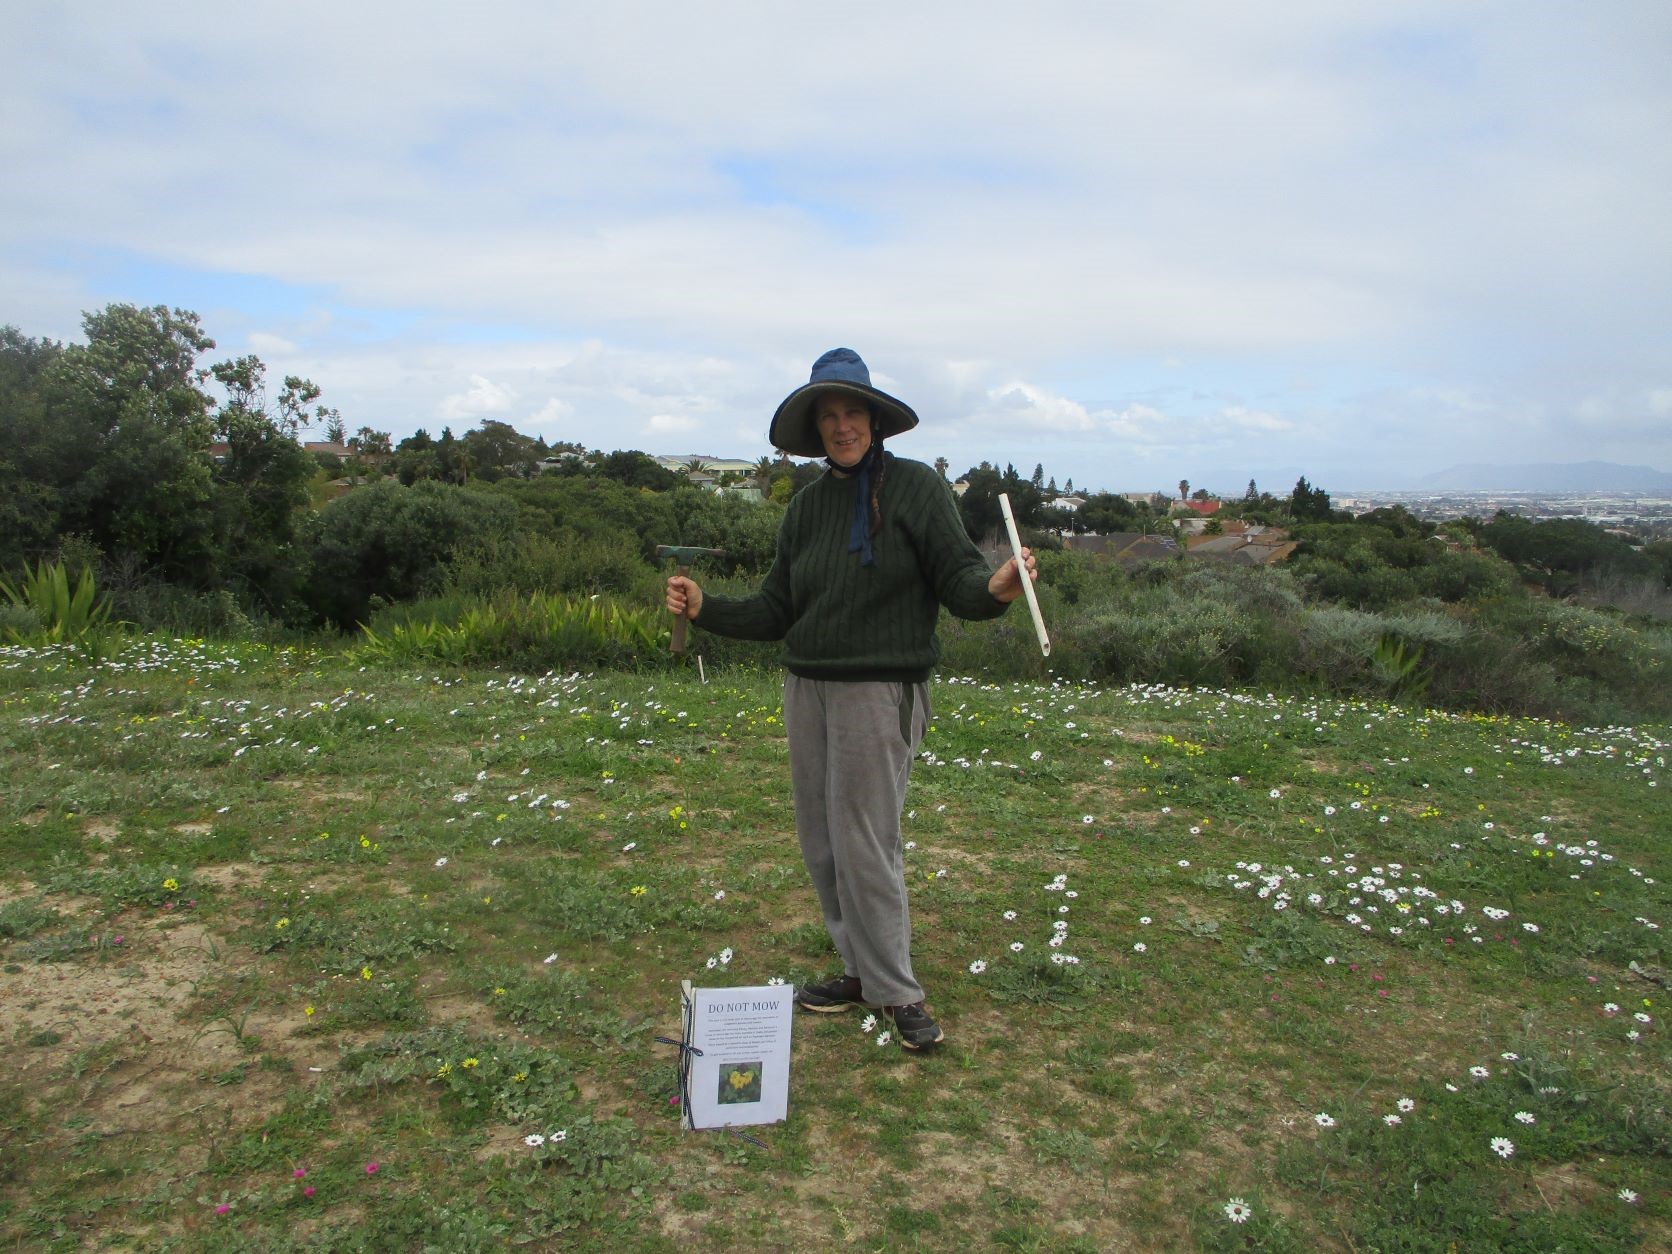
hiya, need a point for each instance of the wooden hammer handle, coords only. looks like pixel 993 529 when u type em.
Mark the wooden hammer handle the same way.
pixel 680 622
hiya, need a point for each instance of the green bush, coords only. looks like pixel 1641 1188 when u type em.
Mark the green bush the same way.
pixel 393 542
pixel 486 566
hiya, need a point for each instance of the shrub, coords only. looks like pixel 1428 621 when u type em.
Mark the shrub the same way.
pixel 486 565
pixel 393 542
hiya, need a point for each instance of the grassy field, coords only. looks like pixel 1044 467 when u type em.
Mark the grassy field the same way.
pixel 303 955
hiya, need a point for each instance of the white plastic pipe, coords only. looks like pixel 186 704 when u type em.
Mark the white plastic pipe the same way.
pixel 1022 570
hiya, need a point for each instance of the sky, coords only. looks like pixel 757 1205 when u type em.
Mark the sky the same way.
pixel 1132 243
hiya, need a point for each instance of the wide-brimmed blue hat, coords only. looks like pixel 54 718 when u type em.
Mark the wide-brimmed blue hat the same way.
pixel 840 370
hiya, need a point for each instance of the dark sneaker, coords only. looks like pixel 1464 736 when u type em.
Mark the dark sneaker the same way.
pixel 917 1030
pixel 830 996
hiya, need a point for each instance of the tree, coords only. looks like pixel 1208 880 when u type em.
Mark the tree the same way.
pixel 452 461
pixel 37 461
pixel 942 466
pixel 415 458
pixel 335 432
pixel 1038 478
pixel 369 453
pixel 1309 504
pixel 497 450
pixel 1252 494
pixel 637 470
pixel 1184 488
pixel 261 493
pixel 1105 512
pixel 1559 551
pixel 980 503
pixel 130 411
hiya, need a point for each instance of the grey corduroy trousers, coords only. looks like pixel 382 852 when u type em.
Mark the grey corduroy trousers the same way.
pixel 851 751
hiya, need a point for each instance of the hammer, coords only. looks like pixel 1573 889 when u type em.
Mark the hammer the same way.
pixel 684 554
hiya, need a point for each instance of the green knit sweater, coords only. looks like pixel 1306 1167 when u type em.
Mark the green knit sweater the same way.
pixel 841 620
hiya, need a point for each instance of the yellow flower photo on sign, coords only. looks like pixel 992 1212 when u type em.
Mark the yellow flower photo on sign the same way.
pixel 740 1083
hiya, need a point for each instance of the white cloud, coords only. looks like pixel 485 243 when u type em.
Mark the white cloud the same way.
pixel 485 398
pixel 670 424
pixel 263 344
pixel 1254 419
pixel 1385 199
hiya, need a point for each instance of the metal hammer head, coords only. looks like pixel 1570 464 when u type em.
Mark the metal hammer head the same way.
pixel 685 554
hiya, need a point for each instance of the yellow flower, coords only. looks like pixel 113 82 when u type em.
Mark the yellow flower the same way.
pixel 282 924
pixel 365 842
pixel 520 1076
pixel 308 1010
pixel 171 885
pixel 742 1079
pixel 365 973
pixel 445 1071
pixel 499 992
pixel 639 890
pixel 468 1063
pixel 487 901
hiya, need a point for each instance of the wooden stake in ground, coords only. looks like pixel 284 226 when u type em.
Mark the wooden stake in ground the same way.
pixel 1027 584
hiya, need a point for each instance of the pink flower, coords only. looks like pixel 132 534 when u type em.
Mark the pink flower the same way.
pixel 371 1169
pixel 298 1173
pixel 222 1209
pixel 308 1192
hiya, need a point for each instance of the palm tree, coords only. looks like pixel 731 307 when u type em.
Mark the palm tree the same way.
pixel 693 466
pixel 763 474
pixel 1184 489
pixel 942 466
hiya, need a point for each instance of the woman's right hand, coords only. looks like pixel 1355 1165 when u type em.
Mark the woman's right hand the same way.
pixel 684 596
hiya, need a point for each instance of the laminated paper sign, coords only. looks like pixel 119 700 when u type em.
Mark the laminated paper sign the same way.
pixel 737 1064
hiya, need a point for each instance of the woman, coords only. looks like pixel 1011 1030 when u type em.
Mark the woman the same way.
pixel 867 554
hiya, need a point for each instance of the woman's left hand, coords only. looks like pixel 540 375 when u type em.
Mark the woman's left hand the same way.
pixel 1005 585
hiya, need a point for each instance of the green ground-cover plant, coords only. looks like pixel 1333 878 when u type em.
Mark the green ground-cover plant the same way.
pixel 1218 966
pixel 539 631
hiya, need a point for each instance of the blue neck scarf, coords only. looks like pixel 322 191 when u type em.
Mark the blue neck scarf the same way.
pixel 859 534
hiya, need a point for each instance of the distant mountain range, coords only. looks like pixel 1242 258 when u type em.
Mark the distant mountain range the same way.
pixel 1549 477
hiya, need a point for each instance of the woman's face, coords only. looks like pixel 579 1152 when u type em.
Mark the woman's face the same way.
pixel 844 423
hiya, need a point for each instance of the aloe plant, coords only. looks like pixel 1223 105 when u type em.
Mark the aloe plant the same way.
pixel 67 615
